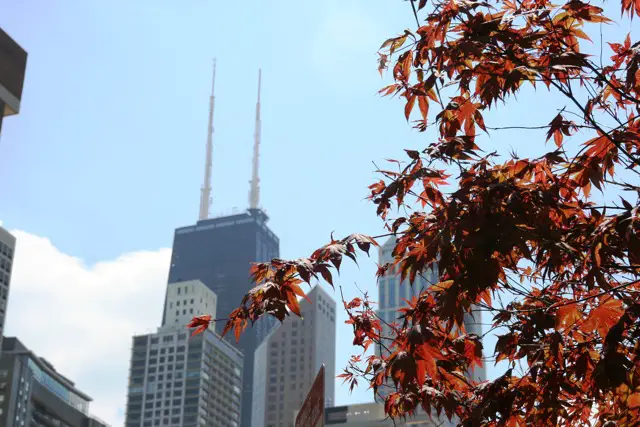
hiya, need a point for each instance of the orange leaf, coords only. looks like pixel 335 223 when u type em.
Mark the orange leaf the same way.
pixel 596 254
pixel 486 297
pixel 423 103
pixel 603 317
pixel 238 330
pixel 634 400
pixel 428 356
pixel 567 316
pixel 201 323
pixel 421 371
pixel 407 108
pixel 406 64
pixel 296 290
pixel 293 303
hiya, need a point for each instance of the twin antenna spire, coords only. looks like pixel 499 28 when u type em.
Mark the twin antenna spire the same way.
pixel 254 191
pixel 205 192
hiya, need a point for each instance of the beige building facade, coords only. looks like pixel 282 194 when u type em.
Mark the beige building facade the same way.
pixel 287 361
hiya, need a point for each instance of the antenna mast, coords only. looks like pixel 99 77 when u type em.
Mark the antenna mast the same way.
pixel 254 193
pixel 205 192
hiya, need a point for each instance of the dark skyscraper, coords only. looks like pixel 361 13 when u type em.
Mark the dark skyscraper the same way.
pixel 219 252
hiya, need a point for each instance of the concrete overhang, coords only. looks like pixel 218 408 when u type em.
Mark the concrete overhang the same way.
pixel 13 64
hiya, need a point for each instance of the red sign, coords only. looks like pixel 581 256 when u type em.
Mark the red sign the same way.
pixel 312 411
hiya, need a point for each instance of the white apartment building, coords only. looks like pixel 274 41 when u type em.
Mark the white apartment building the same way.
pixel 287 361
pixel 182 381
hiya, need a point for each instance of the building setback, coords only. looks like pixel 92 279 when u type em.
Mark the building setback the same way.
pixel 186 300
pixel 7 249
pixel 219 252
pixel 182 381
pixel 33 394
pixel 288 360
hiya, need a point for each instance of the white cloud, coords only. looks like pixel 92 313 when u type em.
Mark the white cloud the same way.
pixel 81 318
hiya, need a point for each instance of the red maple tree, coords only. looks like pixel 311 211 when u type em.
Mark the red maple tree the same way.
pixel 529 230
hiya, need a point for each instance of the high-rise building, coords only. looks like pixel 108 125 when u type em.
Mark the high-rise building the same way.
pixel 7 248
pixel 13 63
pixel 34 394
pixel 287 361
pixel 182 381
pixel 219 252
pixel 393 294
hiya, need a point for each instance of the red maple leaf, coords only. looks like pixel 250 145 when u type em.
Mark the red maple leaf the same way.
pixel 201 323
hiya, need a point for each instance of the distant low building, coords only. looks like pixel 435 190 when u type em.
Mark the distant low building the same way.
pixel 34 394
pixel 372 415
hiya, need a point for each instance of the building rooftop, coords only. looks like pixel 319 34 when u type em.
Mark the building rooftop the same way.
pixel 12 345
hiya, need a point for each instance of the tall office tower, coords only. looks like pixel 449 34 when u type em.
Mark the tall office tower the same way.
pixel 219 252
pixel 34 394
pixel 13 63
pixel 288 360
pixel 392 294
pixel 7 248
pixel 178 380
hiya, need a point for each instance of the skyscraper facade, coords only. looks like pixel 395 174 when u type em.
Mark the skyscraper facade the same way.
pixel 287 361
pixel 7 249
pixel 181 381
pixel 219 252
pixel 393 294
pixel 34 394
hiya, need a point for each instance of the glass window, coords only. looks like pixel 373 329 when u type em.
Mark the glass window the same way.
pixel 392 295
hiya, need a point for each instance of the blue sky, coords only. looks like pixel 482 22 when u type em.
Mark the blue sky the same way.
pixel 106 157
